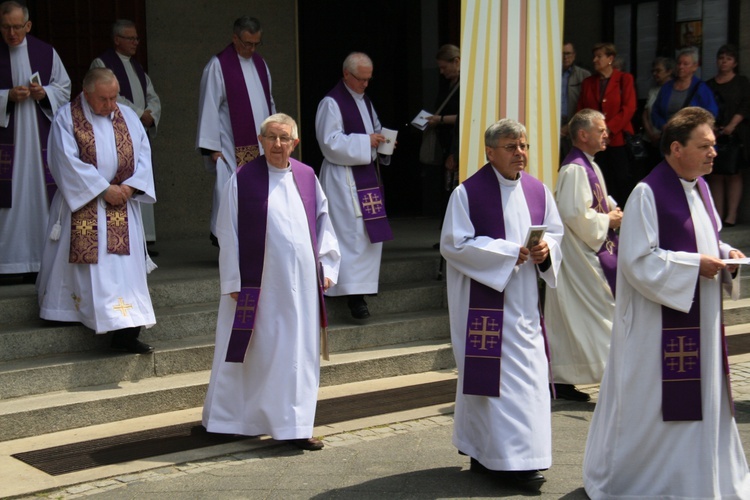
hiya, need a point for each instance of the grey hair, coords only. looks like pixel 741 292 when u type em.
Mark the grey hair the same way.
pixel 448 53
pixel 507 127
pixel 355 60
pixel 95 76
pixel 666 62
pixel 690 51
pixel 11 5
pixel 280 118
pixel 583 120
pixel 247 23
pixel 120 25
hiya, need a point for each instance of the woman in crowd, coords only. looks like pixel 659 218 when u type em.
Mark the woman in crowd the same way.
pixel 612 92
pixel 661 71
pixel 732 93
pixel 685 90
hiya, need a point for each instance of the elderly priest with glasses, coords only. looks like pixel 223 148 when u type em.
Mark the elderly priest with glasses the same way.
pixel 278 255
pixel 502 416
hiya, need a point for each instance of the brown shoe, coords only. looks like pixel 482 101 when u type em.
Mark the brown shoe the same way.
pixel 310 444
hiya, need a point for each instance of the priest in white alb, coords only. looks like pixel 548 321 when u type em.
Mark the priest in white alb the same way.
pixel 348 133
pixel 95 264
pixel 578 312
pixel 235 98
pixel 664 426
pixel 502 415
pixel 278 255
pixel 136 92
pixel 26 109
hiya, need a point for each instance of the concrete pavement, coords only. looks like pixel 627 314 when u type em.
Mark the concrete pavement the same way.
pixel 397 456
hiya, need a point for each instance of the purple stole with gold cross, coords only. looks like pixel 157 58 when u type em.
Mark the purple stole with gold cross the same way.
pixel 369 191
pixel 84 222
pixel 252 218
pixel 484 330
pixel 111 60
pixel 607 253
pixel 41 57
pixel 240 109
pixel 681 332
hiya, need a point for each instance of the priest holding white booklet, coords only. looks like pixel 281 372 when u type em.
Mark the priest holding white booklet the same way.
pixel 579 311
pixel 502 416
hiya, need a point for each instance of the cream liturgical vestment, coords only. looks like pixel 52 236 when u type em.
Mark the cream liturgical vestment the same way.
pixel 23 226
pixel 513 431
pixel 360 259
pixel 275 390
pixel 631 452
pixel 113 293
pixel 578 312
pixel 215 124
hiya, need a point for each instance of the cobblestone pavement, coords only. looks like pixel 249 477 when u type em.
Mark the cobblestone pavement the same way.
pixel 412 459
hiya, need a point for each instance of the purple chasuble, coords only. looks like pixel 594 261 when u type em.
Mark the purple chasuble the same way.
pixel 41 58
pixel 114 62
pixel 369 191
pixel 252 217
pixel 681 374
pixel 607 254
pixel 484 331
pixel 241 116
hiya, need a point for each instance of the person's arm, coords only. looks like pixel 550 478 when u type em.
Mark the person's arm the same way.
pixel 620 119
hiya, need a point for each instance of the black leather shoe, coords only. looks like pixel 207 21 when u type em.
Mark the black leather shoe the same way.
pixel 131 345
pixel 475 466
pixel 214 240
pixel 310 444
pixel 528 477
pixel 569 392
pixel 358 307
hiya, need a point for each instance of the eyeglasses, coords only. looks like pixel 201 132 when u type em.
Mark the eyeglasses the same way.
pixel 249 45
pixel 361 80
pixel 13 27
pixel 129 38
pixel 285 140
pixel 511 148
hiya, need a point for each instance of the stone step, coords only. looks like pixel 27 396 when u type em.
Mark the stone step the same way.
pixel 736 312
pixel 170 287
pixel 70 371
pixel 56 411
pixel 37 337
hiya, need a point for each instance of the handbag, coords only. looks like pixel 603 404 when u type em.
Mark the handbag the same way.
pixel 728 155
pixel 431 152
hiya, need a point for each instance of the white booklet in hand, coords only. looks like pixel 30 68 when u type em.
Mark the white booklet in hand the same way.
pixel 420 121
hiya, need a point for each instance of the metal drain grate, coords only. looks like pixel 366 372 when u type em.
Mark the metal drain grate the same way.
pixel 138 445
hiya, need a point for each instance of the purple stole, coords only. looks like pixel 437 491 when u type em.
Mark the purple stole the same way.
pixel 113 62
pixel 84 222
pixel 607 254
pixel 252 217
pixel 41 56
pixel 484 330
pixel 240 109
pixel 369 191
pixel 681 334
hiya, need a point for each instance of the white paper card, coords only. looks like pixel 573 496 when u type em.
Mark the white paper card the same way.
pixel 386 148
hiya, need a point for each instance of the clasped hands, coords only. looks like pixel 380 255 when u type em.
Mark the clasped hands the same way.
pixel 537 254
pixel 21 93
pixel 118 195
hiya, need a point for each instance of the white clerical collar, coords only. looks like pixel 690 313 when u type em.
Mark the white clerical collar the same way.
pixel 353 93
pixel 507 182
pixel 271 168
pixel 590 157
pixel 123 57
pixel 688 185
